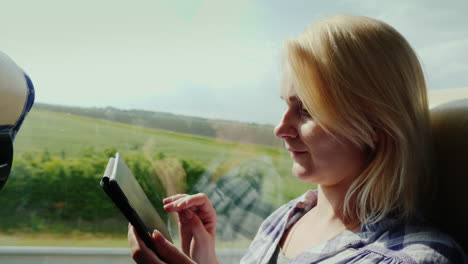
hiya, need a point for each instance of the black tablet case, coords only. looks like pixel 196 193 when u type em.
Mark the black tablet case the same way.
pixel 123 189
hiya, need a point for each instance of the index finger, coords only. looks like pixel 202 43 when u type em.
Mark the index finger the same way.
pixel 173 198
pixel 200 201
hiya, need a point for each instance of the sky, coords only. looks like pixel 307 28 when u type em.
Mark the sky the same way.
pixel 216 59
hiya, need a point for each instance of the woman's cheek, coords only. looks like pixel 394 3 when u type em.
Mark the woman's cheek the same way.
pixel 315 138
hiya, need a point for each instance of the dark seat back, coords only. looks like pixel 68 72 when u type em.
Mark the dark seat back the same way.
pixel 449 210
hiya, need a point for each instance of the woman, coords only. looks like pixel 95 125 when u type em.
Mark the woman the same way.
pixel 357 125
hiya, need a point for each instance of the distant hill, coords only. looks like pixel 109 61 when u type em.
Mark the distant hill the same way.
pixel 219 129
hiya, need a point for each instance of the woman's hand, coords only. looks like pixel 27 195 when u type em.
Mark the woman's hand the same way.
pixel 197 224
pixel 165 250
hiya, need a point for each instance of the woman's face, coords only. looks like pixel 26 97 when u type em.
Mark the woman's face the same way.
pixel 318 157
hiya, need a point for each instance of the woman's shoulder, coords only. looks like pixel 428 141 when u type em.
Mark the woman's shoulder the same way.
pixel 419 243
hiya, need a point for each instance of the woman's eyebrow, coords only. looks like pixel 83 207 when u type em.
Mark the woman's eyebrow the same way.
pixel 292 98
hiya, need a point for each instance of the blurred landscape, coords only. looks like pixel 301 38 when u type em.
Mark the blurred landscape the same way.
pixel 53 193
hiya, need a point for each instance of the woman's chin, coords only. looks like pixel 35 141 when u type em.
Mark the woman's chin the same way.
pixel 302 173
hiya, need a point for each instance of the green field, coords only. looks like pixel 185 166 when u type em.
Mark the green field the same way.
pixel 67 138
pixel 59 132
pixel 68 135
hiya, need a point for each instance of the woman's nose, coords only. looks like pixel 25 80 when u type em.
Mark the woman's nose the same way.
pixel 286 129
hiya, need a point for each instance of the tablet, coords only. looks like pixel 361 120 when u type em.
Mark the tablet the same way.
pixel 123 189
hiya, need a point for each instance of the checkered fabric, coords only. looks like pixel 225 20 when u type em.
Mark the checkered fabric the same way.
pixel 389 241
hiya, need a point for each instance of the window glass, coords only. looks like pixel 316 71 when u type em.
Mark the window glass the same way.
pixel 187 92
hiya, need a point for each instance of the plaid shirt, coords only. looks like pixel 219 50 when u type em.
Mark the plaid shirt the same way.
pixel 388 241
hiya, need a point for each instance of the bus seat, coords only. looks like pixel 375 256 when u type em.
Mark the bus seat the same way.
pixel 449 210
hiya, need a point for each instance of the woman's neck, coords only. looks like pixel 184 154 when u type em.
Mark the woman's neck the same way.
pixel 330 201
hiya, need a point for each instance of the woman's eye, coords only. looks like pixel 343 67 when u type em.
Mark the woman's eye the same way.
pixel 305 114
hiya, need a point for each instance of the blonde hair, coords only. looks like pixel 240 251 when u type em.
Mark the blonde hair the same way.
pixel 360 79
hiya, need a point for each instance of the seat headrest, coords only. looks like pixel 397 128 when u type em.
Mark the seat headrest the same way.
pixel 450 138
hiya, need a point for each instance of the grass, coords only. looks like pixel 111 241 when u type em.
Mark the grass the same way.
pixel 69 135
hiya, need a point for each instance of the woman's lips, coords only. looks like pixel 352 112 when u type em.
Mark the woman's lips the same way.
pixel 296 153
